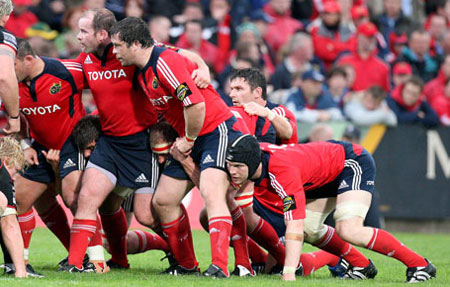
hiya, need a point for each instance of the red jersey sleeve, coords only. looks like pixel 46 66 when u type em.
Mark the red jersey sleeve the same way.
pixel 290 117
pixel 287 183
pixel 76 70
pixel 173 74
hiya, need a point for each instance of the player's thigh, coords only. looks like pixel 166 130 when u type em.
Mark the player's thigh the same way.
pixel 323 205
pixel 71 185
pixel 95 187
pixel 27 192
pixel 214 184
pixel 170 191
pixel 351 210
pixel 46 200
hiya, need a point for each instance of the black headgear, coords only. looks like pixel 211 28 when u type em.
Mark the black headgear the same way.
pixel 245 149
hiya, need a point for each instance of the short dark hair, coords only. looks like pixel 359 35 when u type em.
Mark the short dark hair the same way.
pixel 336 70
pixel 132 29
pixel 24 49
pixel 103 19
pixel 194 21
pixel 415 80
pixel 254 77
pixel 377 92
pixel 86 131
pixel 163 128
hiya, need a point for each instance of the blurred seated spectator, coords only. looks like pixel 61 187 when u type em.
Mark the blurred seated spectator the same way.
pixel 192 40
pixel 50 12
pixel 369 69
pixel 337 85
pixel 446 43
pixel 192 11
pixel 168 8
pixel 159 27
pixel 67 43
pixel 311 103
pixel 21 18
pixel 219 29
pixel 441 104
pixel 41 29
pixel 136 8
pixel 330 36
pixel 418 56
pixel 369 107
pixel 401 72
pixel 94 4
pixel 436 85
pixel 283 26
pixel 249 33
pixel 320 132
pixel 392 21
pixel 396 45
pixel 437 29
pixel 299 58
pixel 408 103
pixel 43 47
pixel 352 134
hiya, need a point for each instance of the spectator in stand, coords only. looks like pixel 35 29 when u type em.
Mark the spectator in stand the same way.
pixel 441 104
pixel 418 56
pixel 159 27
pixel 311 103
pixel 392 21
pixel 192 40
pixel 369 69
pixel 437 29
pixel 50 12
pixel 352 134
pixel 446 43
pixel 136 8
pixel 67 42
pixel 408 103
pixel 283 26
pixel 262 20
pixel 401 73
pixel 168 8
pixel 43 47
pixel 337 85
pixel 299 58
pixel 437 84
pixel 21 18
pixel 219 29
pixel 330 36
pixel 320 132
pixel 369 107
pixel 192 11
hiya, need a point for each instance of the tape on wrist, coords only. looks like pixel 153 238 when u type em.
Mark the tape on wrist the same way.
pixel 25 143
pixel 289 270
pixel 190 139
pixel 294 236
pixel 270 115
pixel 14 118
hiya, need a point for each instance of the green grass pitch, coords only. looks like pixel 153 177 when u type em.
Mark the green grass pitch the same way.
pixel 46 251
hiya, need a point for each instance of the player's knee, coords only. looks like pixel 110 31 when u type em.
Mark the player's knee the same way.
pixel 145 217
pixel 314 228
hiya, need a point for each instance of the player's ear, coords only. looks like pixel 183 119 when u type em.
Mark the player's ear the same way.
pixel 102 35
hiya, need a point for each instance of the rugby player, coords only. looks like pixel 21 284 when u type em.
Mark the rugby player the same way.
pixel 322 169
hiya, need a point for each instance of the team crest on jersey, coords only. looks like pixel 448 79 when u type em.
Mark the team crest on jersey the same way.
pixel 182 91
pixel 55 88
pixel 155 84
pixel 289 203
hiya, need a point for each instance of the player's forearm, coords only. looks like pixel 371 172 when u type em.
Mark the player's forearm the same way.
pixel 282 127
pixel 194 116
pixel 13 241
pixel 192 170
pixel 294 243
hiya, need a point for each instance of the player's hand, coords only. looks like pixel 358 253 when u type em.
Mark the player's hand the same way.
pixel 183 145
pixel 201 78
pixel 21 274
pixel 253 108
pixel 12 127
pixel 31 156
pixel 177 154
pixel 288 277
pixel 52 156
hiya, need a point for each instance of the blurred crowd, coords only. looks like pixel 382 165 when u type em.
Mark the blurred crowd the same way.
pixel 368 62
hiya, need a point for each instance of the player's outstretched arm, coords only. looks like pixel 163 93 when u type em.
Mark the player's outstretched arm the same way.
pixel 13 241
pixel 9 89
pixel 294 243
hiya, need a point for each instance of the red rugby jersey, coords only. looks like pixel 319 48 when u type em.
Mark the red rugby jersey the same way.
pixel 167 82
pixel 294 168
pixel 289 116
pixel 122 106
pixel 51 102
